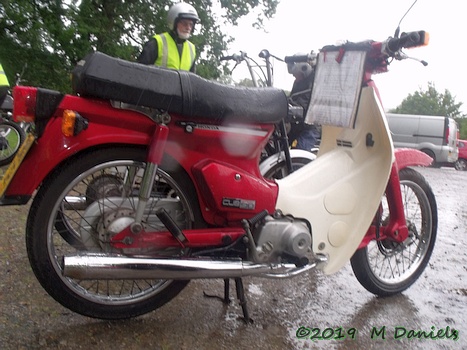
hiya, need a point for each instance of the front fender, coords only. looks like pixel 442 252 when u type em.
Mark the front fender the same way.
pixel 411 157
pixel 53 148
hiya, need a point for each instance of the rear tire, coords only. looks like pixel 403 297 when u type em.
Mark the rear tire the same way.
pixel 385 268
pixel 61 222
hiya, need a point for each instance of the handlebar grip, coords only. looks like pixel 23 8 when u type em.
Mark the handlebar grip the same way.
pixel 297 58
pixel 408 40
pixel 226 58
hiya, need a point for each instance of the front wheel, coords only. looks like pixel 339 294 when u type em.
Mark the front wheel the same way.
pixel 72 213
pixel 386 267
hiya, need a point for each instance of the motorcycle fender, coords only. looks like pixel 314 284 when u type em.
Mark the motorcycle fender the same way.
pixel 340 191
pixel 411 157
pixel 53 148
pixel 276 158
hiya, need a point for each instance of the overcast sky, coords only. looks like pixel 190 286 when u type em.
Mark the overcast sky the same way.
pixel 305 25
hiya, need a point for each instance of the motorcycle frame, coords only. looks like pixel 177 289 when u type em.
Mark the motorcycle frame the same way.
pixel 217 174
pixel 109 127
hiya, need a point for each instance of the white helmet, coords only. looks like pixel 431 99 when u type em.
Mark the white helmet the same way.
pixel 304 68
pixel 180 11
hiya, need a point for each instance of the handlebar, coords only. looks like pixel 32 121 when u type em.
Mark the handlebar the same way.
pixel 297 58
pixel 309 58
pixel 407 40
pixel 235 57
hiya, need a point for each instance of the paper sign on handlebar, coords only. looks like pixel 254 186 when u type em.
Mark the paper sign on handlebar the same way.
pixel 336 88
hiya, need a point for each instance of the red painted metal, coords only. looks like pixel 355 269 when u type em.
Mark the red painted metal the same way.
pixel 396 229
pixel 157 145
pixel 233 151
pixel 199 238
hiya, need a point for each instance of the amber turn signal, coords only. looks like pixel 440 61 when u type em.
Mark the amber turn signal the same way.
pixel 68 122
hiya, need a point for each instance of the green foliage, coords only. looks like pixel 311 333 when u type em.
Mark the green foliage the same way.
pixel 246 82
pixel 430 102
pixel 462 128
pixel 49 37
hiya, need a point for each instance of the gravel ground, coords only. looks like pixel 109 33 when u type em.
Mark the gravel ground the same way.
pixel 30 319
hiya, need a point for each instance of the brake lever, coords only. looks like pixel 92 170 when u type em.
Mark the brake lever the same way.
pixel 402 56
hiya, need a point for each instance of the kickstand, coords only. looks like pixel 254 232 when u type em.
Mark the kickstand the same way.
pixel 242 300
pixel 240 295
pixel 226 299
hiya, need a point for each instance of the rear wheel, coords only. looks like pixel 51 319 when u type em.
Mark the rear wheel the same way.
pixel 387 267
pixel 72 212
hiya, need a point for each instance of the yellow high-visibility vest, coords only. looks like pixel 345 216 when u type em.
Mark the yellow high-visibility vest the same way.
pixel 3 78
pixel 168 55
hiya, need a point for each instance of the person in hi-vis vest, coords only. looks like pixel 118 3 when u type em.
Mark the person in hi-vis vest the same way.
pixel 172 49
pixel 4 84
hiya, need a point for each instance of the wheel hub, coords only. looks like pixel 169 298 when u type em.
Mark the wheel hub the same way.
pixel 112 223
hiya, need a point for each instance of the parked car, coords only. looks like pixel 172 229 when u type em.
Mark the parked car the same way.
pixel 461 163
pixel 434 135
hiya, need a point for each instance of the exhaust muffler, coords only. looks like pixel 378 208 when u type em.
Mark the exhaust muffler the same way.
pixel 98 266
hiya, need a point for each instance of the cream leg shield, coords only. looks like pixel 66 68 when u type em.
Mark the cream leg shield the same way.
pixel 340 191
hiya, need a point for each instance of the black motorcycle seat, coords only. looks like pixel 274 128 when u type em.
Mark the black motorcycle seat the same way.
pixel 181 92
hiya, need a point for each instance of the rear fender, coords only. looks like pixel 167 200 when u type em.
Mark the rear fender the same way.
pixel 53 148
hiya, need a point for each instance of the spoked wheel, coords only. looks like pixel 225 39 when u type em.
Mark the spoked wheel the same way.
pixel 387 267
pixel 279 169
pixel 73 212
pixel 11 138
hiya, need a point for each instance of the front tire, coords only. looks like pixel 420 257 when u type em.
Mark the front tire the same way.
pixel 385 267
pixel 69 215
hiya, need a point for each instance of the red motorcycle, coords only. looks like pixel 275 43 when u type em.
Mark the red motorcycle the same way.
pixel 148 178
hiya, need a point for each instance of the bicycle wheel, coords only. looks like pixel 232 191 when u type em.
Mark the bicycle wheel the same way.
pixel 279 169
pixel 73 212
pixel 11 138
pixel 387 267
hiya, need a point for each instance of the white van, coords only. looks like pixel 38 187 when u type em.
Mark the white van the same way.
pixel 434 135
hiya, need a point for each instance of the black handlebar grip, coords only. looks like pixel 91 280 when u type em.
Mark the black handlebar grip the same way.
pixel 226 58
pixel 407 40
pixel 297 58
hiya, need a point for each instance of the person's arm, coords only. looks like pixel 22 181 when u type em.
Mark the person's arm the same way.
pixel 149 53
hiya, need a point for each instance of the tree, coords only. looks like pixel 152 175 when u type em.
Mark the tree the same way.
pixel 430 102
pixel 50 36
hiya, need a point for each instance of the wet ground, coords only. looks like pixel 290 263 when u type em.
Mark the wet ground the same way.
pixel 336 305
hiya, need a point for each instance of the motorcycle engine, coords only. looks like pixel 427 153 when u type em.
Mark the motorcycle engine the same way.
pixel 283 239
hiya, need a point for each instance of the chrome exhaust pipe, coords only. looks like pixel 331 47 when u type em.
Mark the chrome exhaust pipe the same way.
pixel 106 267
